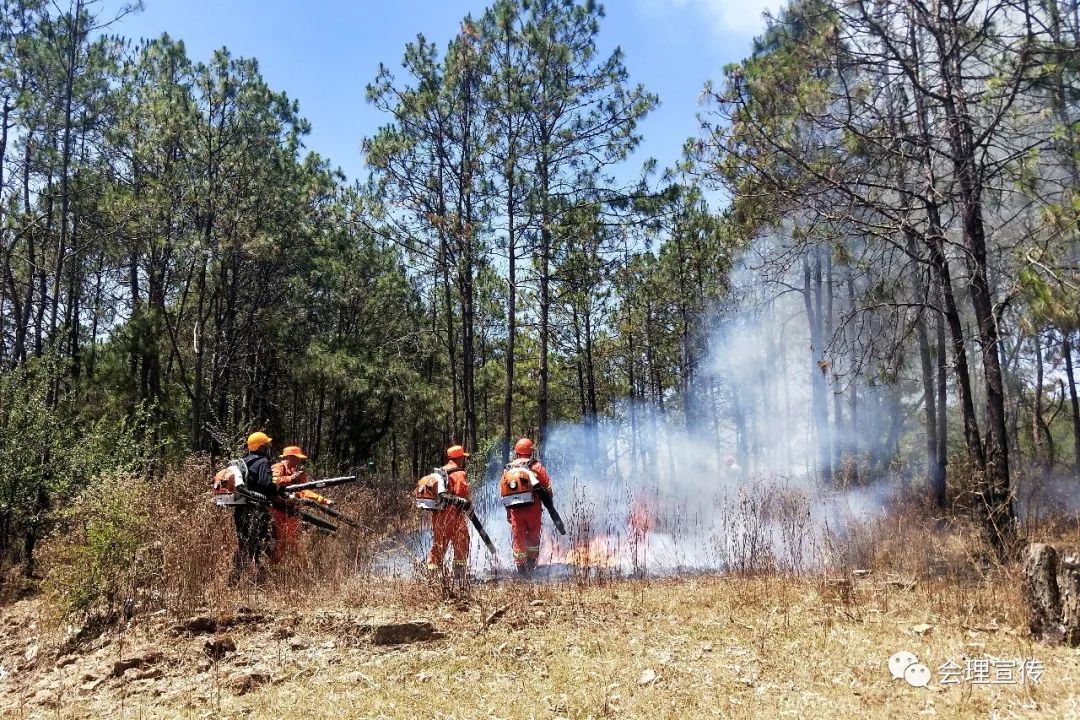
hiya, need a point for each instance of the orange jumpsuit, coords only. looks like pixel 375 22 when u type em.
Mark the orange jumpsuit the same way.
pixel 525 521
pixel 286 528
pixel 449 526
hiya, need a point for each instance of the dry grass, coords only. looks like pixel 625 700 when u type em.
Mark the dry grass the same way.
pixel 761 647
pixel 778 637
pixel 194 541
pixel 730 647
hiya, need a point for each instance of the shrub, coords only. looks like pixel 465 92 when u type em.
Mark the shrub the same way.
pixel 102 564
pixel 50 453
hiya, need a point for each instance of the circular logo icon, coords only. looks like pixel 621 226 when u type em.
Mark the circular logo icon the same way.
pixel 917 675
pixel 900 662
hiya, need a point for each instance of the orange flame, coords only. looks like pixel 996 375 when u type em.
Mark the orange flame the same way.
pixel 604 550
pixel 599 551
pixel 640 521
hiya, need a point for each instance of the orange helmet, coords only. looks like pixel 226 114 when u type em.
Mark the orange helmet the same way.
pixel 257 440
pixel 456 452
pixel 294 451
pixel 524 446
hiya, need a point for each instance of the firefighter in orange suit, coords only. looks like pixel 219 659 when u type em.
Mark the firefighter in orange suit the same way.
pixel 286 528
pixel 525 519
pixel 448 526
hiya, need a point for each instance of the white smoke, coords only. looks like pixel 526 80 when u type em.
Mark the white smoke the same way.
pixel 643 491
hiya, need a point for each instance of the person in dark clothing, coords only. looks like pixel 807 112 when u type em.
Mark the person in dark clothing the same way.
pixel 253 522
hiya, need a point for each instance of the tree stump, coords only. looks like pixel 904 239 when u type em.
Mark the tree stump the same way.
pixel 1052 593
pixel 1069 583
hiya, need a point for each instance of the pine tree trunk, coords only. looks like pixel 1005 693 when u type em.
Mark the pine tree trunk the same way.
pixel 65 167
pixel 1038 438
pixel 468 351
pixel 197 399
pixel 838 404
pixel 545 295
pixel 742 444
pixel 812 302
pixel 631 379
pixel 940 262
pixel 942 398
pixel 74 308
pixel 996 490
pixel 592 410
pixel 43 290
pixel 935 473
pixel 511 318
pixel 465 234
pixel 6 258
pixel 579 364
pixel 451 343
pixel 685 352
pixel 23 314
pixel 1074 402
pixel 854 446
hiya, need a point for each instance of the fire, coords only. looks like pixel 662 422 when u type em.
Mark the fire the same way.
pixel 640 520
pixel 604 550
pixel 600 551
pixel 597 552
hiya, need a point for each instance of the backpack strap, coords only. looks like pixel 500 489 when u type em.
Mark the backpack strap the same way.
pixel 449 497
pixel 241 467
pixel 444 476
pixel 517 463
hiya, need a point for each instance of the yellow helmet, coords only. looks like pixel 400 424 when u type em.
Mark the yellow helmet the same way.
pixel 257 440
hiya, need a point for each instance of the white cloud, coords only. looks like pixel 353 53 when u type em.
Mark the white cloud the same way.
pixel 725 17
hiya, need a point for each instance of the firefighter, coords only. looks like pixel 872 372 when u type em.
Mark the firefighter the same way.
pixel 525 515
pixel 448 526
pixel 253 536
pixel 286 527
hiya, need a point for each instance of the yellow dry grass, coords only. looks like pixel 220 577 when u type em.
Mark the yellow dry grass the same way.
pixel 724 647
pixel 729 648
pixel 769 645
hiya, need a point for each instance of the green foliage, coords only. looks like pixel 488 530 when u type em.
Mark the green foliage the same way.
pixel 772 100
pixel 52 451
pixel 1050 301
pixel 100 562
pixel 177 270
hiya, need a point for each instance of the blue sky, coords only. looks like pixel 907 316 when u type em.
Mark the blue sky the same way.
pixel 324 52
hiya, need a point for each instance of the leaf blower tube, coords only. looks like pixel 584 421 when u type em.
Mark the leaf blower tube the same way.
pixel 467 508
pixel 332 513
pixel 286 507
pixel 549 505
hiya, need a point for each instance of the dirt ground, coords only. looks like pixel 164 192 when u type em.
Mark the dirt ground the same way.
pixel 722 647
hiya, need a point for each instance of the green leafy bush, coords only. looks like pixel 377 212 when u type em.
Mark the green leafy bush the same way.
pixel 61 469
pixel 102 562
